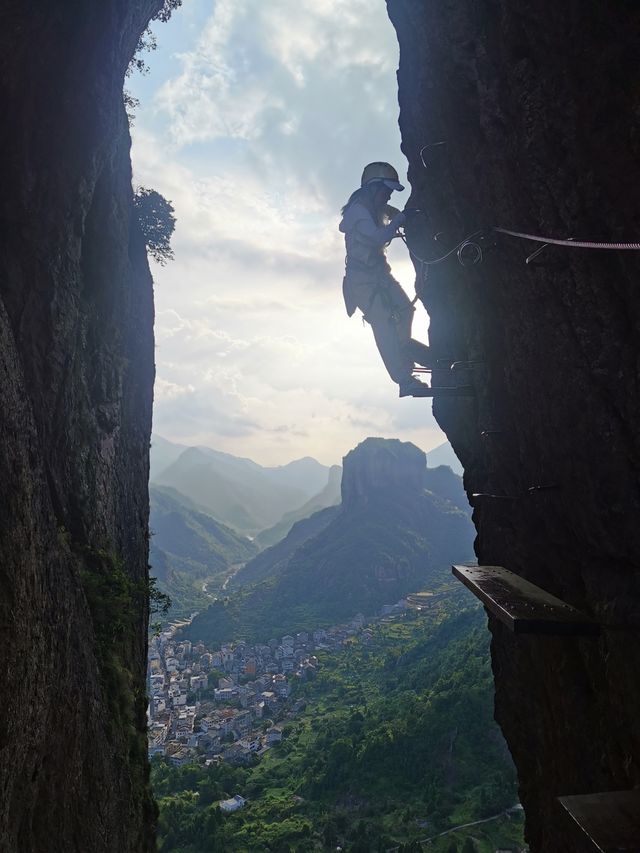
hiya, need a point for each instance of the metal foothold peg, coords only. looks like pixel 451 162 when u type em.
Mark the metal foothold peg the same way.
pixel 495 497
pixel 535 254
pixel 541 249
pixel 464 365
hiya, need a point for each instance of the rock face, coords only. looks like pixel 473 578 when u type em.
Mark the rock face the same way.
pixel 76 374
pixel 381 465
pixel 539 111
pixel 390 536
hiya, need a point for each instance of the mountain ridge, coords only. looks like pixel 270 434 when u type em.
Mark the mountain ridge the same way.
pixel 188 546
pixel 327 497
pixel 235 490
pixel 389 537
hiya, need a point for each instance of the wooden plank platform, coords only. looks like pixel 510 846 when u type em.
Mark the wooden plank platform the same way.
pixel 610 821
pixel 523 607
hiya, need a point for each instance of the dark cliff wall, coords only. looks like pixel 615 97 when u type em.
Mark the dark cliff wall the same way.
pixel 539 107
pixel 76 374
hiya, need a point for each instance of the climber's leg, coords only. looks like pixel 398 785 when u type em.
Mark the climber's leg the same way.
pixel 404 311
pixel 398 364
pixel 389 331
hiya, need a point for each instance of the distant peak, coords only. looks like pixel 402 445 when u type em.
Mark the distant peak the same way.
pixel 304 460
pixel 381 464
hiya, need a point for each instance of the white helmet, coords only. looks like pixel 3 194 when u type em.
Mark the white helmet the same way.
pixel 383 173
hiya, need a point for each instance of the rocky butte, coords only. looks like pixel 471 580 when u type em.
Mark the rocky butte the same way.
pixel 397 527
pixel 76 376
pixel 378 467
pixel 537 108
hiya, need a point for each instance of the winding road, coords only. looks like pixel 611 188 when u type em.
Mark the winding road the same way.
pixel 505 813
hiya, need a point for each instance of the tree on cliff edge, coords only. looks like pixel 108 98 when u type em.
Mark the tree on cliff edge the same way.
pixel 157 222
pixel 147 41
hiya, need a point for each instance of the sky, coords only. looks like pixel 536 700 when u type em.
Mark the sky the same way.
pixel 255 120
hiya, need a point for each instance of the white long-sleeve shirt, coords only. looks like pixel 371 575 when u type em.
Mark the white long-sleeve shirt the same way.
pixel 365 240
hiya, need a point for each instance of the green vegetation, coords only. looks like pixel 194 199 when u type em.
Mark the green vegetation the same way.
pixel 147 42
pixel 328 496
pixel 396 743
pixel 273 561
pixel 157 223
pixel 159 603
pixel 368 554
pixel 190 549
pixel 116 602
pixel 185 591
pixel 235 491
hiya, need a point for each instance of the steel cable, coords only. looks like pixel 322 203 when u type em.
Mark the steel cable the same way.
pixel 575 244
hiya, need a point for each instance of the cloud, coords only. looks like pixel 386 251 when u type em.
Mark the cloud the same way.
pixel 302 84
pixel 257 129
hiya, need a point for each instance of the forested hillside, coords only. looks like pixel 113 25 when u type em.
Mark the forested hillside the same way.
pixel 270 563
pixel 237 491
pixel 189 548
pixel 328 496
pixel 389 537
pixel 397 742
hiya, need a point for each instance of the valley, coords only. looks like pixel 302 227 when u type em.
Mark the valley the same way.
pixel 380 734
pixel 333 688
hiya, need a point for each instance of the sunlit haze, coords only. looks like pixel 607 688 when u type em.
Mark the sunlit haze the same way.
pixel 255 121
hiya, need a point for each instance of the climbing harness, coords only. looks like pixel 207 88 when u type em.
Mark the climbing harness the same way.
pixel 381 291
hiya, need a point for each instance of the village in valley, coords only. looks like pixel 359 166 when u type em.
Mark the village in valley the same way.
pixel 207 706
pixel 231 704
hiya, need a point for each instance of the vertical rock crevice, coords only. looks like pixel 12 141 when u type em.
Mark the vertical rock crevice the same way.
pixel 76 376
pixel 540 115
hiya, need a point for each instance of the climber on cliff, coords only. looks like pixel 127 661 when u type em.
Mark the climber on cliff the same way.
pixel 369 224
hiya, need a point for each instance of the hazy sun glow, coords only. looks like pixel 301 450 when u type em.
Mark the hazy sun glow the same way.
pixel 255 121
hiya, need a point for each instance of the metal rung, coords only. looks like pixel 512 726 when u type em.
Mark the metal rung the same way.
pixel 457 364
pixel 493 497
pixel 464 365
pixel 522 606
pixel 441 391
pixel 608 822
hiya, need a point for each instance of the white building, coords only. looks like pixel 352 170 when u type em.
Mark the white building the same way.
pixel 224 695
pixel 233 804
pixel 198 682
pixel 272 736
